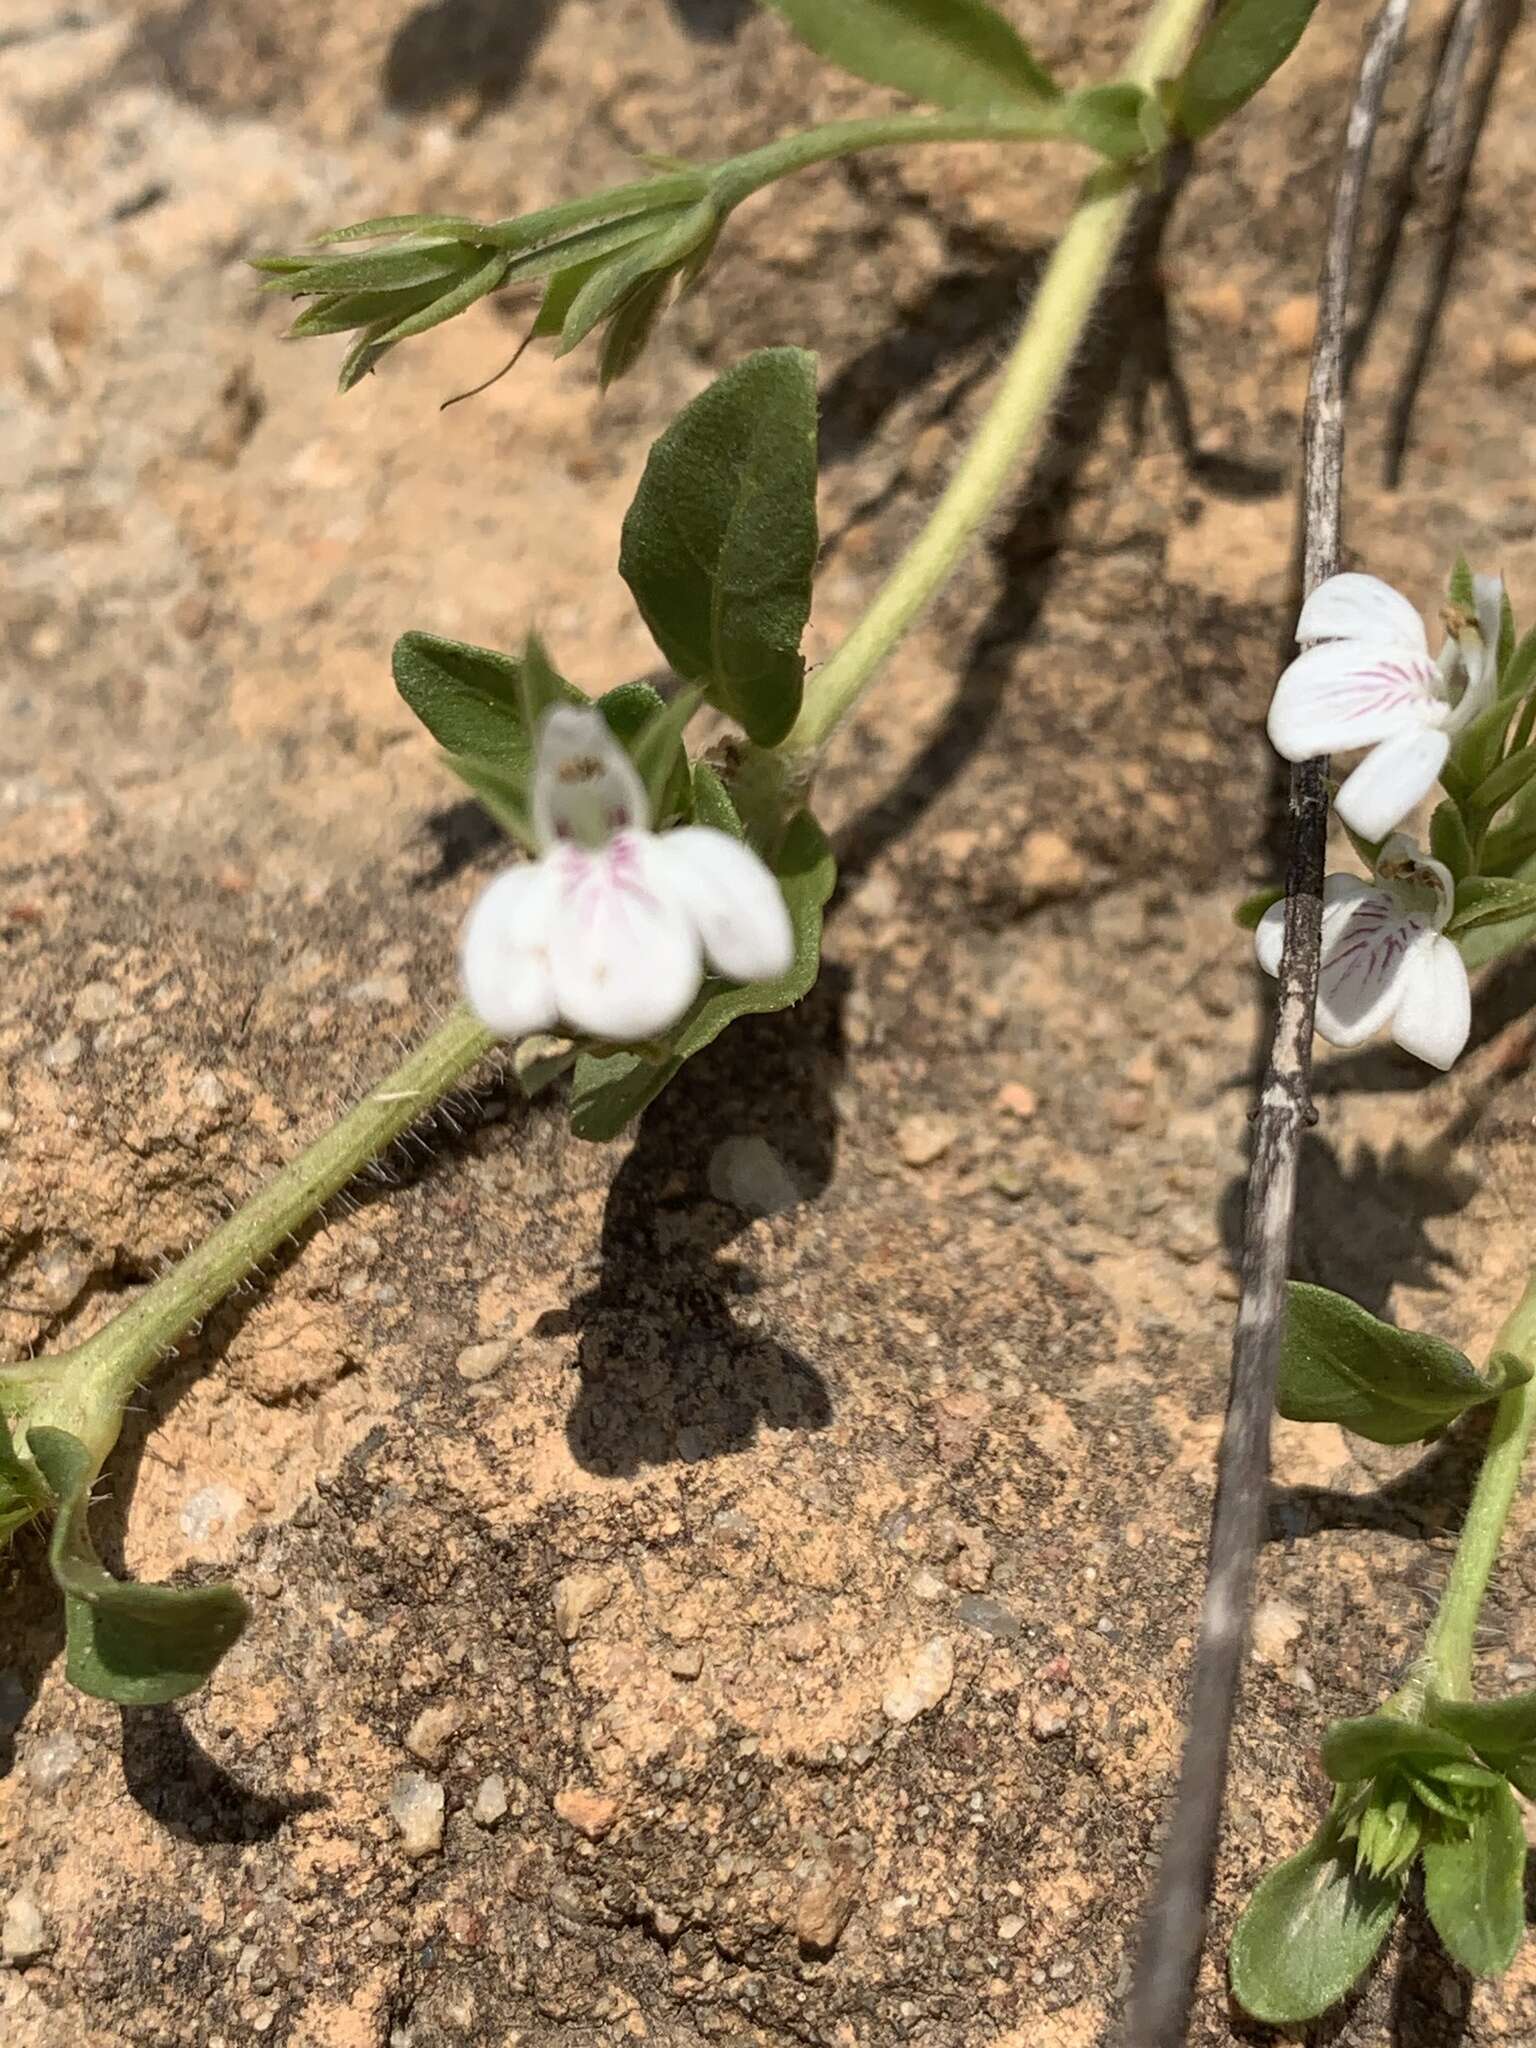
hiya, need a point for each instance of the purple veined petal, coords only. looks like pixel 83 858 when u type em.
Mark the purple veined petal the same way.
pixel 732 897
pixel 1403 863
pixel 624 953
pixel 1366 944
pixel 1339 893
pixel 1434 1011
pixel 1391 780
pixel 1347 693
pixel 585 787
pixel 504 953
pixel 1489 593
pixel 1356 607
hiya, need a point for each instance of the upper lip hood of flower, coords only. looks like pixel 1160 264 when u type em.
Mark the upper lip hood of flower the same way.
pixel 609 931
pixel 1385 958
pixel 1369 680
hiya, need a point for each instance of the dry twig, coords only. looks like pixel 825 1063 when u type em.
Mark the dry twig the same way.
pixel 1174 1929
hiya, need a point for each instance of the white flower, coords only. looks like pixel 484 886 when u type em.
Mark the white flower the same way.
pixel 1385 959
pixel 608 932
pixel 1371 682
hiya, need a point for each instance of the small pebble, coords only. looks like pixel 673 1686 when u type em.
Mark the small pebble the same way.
pixel 50 1761
pixel 590 1813
pixel 416 1807
pixel 981 1611
pixel 63 1052
pixel 924 1138
pixel 1010 1927
pixel 919 1685
pixel 576 1596
pixel 1014 1099
pixel 24 1933
pixel 1050 1720
pixel 479 1361
pixel 687 1662
pixel 96 1002
pixel 1276 1626
pixel 490 1802
pixel 432 1730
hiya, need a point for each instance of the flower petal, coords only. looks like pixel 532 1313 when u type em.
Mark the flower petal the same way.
pixel 1391 779
pixel 1414 873
pixel 1434 1011
pixel 1356 607
pixel 1339 892
pixel 731 896
pixel 1350 693
pixel 1269 937
pixel 503 955
pixel 1489 593
pixel 1366 942
pixel 624 951
pixel 585 787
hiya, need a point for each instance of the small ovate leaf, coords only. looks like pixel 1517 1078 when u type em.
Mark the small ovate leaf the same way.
pixel 1503 1733
pixel 1250 912
pixel 471 699
pixel 720 543
pixel 1448 841
pixel 1474 1886
pixel 1240 51
pixel 1339 1363
pixel 1506 781
pixel 610 1090
pixel 1491 900
pixel 1111 119
pixel 1365 1745
pixel 540 1061
pixel 1309 1932
pixel 137 1645
pixel 952 53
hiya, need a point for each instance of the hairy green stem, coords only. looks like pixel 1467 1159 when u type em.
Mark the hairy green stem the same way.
pixel 1032 378
pixel 105 1370
pixel 739 176
pixel 1448 1652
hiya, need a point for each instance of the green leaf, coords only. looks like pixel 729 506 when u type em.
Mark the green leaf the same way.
pixel 1243 48
pixel 1366 1745
pixel 475 702
pixel 1503 1732
pixel 1339 1363
pixel 953 53
pixel 712 803
pixel 502 791
pixel 1250 912
pixel 1506 781
pixel 1488 900
pixel 1111 119
pixel 1517 671
pixel 720 543
pixel 1309 1932
pixel 591 248
pixel 1474 1887
pixel 1389 1830
pixel 138 1645
pixel 611 1089
pixel 1461 591
pixel 1448 840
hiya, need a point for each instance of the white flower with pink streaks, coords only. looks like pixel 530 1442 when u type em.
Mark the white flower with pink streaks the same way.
pixel 1385 957
pixel 609 931
pixel 1370 681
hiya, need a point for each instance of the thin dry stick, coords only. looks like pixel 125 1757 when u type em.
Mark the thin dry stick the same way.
pixel 1174 1928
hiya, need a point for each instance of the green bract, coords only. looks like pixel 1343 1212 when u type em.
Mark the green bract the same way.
pixel 1246 43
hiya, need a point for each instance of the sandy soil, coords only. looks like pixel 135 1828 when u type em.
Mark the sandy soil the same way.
pixel 737 1488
